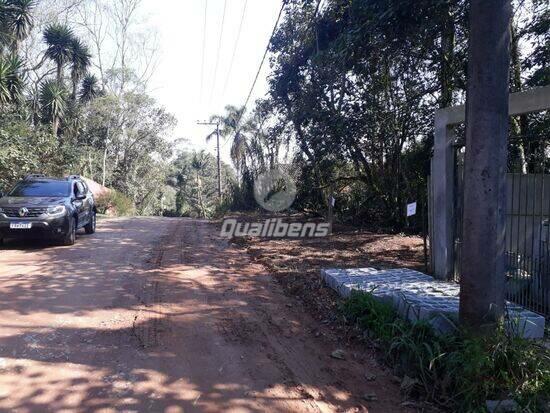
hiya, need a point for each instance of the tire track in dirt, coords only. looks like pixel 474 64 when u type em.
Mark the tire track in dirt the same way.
pixel 257 327
pixel 149 319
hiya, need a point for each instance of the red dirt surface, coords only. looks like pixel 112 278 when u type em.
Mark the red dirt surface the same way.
pixel 161 315
pixel 296 263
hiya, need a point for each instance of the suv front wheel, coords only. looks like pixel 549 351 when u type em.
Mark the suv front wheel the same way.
pixel 70 236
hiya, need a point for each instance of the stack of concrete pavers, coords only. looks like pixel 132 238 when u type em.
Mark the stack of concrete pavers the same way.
pixel 417 296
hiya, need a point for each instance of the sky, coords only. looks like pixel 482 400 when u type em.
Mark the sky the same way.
pixel 176 83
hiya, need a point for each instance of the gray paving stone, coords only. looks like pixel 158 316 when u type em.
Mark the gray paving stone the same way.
pixel 417 296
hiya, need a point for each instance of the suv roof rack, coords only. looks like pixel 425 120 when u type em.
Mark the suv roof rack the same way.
pixel 34 176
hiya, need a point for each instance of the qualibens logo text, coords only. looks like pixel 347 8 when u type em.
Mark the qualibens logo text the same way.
pixel 274 191
pixel 274 227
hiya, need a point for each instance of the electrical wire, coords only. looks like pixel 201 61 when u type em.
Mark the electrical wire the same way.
pixel 237 124
pixel 203 48
pixel 234 48
pixel 218 54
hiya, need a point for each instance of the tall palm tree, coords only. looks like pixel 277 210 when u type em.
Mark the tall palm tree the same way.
pixel 11 83
pixel 231 126
pixel 53 102
pixel 59 40
pixel 89 89
pixel 17 20
pixel 81 60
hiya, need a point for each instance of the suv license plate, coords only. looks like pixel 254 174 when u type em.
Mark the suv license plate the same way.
pixel 20 225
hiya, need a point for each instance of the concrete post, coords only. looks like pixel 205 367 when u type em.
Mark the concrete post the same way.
pixel 443 179
pixel 443 169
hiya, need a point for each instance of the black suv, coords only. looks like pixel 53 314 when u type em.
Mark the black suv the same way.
pixel 51 207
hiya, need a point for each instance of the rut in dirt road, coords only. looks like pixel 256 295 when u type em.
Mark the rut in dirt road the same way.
pixel 158 314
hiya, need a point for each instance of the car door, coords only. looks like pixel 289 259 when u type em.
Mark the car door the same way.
pixel 88 201
pixel 79 203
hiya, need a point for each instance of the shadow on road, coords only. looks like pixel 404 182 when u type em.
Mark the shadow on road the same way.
pixel 161 315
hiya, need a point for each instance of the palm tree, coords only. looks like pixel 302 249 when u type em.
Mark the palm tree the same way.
pixel 59 40
pixel 80 62
pixel 11 84
pixel 89 89
pixel 17 21
pixel 231 125
pixel 53 101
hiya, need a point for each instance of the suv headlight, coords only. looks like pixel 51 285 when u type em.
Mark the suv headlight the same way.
pixel 1 210
pixel 56 210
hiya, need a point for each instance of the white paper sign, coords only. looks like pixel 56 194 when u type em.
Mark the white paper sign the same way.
pixel 411 209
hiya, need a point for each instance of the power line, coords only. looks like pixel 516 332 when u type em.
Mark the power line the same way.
pixel 235 48
pixel 203 47
pixel 218 53
pixel 259 69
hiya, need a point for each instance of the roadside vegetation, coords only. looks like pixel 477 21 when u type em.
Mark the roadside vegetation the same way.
pixel 71 103
pixel 457 372
pixel 353 90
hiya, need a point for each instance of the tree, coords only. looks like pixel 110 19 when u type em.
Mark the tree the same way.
pixel 16 21
pixel 130 65
pixel 80 62
pixel 59 41
pixel 194 176
pixel 484 220
pixel 90 88
pixel 53 101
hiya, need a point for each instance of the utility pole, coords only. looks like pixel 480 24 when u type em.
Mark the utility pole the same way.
pixel 219 162
pixel 483 249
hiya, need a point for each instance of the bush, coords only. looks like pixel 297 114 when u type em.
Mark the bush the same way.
pixel 114 203
pixel 458 372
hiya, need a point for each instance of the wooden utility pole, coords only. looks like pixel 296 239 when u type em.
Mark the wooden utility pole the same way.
pixel 483 249
pixel 219 162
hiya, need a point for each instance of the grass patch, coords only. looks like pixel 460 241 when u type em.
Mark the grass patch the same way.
pixel 114 203
pixel 458 372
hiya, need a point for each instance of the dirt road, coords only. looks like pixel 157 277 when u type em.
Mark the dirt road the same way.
pixel 161 315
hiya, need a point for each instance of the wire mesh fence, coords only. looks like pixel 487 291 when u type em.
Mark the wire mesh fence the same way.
pixel 527 222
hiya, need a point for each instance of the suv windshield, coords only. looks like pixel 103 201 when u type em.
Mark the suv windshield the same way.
pixel 41 188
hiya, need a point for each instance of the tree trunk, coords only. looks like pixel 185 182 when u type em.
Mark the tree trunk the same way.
pixel 104 166
pixel 55 125
pixel 483 260
pixel 74 81
pixel 59 73
pixel 447 57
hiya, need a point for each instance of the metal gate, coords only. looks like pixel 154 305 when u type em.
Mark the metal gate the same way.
pixel 527 222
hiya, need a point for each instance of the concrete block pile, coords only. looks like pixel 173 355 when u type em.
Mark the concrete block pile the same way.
pixel 417 296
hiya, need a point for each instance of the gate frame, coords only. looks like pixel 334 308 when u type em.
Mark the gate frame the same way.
pixel 442 172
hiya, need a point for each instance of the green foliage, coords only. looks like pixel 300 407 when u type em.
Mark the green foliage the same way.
pixel 90 88
pixel 195 178
pixel 80 62
pixel 11 83
pixel 459 372
pixel 115 203
pixel 59 40
pixel 71 124
pixel 53 100
pixel 16 21
pixel 353 90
